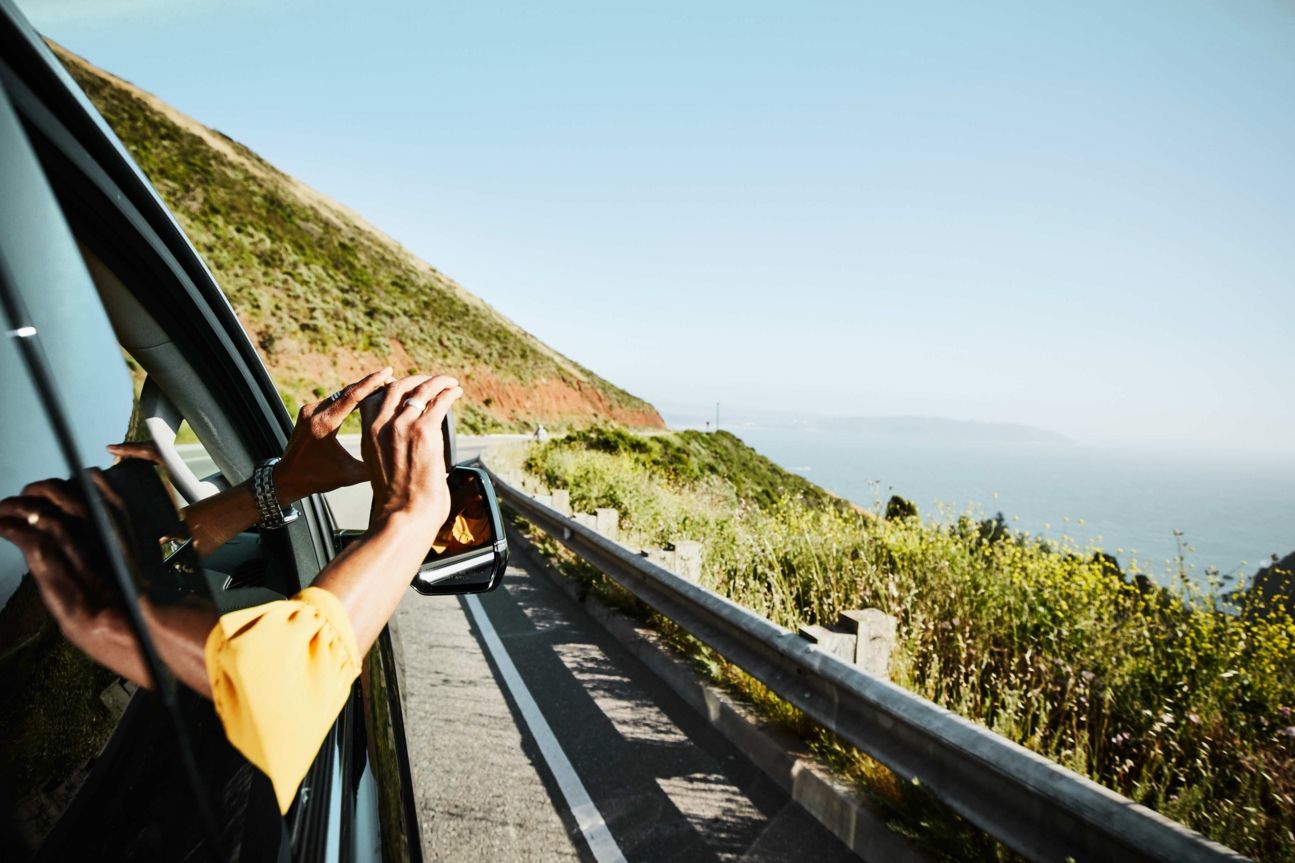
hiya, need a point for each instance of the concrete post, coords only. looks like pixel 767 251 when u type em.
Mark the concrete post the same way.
pixel 838 644
pixel 585 519
pixel 562 500
pixel 607 522
pixel 116 696
pixel 688 557
pixel 544 499
pixel 876 633
pixel 661 557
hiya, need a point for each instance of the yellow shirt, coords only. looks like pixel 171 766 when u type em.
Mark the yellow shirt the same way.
pixel 280 673
pixel 462 532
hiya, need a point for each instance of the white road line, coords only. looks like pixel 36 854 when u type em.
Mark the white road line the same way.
pixel 588 818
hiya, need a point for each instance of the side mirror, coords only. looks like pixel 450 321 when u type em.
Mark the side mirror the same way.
pixel 470 552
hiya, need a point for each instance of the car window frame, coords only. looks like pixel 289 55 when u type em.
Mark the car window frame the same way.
pixel 20 327
pixel 177 289
pixel 104 195
pixel 104 214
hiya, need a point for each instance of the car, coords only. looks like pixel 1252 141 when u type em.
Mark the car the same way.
pixel 114 326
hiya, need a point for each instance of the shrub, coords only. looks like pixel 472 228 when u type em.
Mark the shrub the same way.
pixel 1157 693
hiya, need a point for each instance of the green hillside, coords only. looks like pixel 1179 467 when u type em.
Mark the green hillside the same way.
pixel 693 456
pixel 325 296
pixel 1157 692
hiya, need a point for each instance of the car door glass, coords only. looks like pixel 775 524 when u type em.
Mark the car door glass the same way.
pixel 73 733
pixel 91 767
pixel 57 706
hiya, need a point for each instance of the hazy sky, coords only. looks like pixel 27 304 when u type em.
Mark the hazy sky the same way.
pixel 1075 215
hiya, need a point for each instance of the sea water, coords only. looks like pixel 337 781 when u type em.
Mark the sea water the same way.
pixel 1233 513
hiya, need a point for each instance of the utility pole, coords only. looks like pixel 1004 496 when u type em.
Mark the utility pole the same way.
pixel 716 416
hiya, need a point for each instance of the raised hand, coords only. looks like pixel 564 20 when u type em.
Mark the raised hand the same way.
pixel 49 523
pixel 404 451
pixel 315 460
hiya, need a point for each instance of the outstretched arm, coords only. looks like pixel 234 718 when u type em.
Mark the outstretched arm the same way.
pixel 405 457
pixel 405 462
pixel 50 525
pixel 314 462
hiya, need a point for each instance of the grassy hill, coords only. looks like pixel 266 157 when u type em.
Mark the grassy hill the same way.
pixel 326 296
pixel 1160 694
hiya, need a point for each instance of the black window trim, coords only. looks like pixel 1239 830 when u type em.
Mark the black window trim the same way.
pixel 104 216
pixel 103 193
pixel 104 213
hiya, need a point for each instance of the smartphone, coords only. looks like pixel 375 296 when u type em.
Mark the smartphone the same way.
pixel 470 551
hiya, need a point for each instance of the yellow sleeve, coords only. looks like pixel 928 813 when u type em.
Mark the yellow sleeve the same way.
pixel 280 673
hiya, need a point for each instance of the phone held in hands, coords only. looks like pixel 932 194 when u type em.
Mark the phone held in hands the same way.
pixel 470 551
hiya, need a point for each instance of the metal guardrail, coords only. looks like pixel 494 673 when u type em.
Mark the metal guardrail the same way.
pixel 1032 805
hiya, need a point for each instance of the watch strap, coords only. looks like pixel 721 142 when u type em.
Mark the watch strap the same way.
pixel 272 514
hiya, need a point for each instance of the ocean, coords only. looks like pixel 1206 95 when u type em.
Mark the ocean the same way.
pixel 1233 513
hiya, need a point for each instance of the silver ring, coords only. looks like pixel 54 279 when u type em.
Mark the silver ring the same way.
pixel 33 518
pixel 416 403
pixel 337 395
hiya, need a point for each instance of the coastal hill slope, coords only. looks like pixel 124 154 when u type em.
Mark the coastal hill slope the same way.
pixel 326 296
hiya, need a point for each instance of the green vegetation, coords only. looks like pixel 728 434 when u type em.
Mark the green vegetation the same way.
pixel 50 704
pixel 691 456
pixel 325 297
pixel 1157 693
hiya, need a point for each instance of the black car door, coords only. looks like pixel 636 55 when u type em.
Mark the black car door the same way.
pixel 87 764
pixel 90 766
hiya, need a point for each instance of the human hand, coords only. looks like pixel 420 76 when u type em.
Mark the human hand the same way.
pixel 315 460
pixel 404 452
pixel 49 522
pixel 50 525
pixel 143 450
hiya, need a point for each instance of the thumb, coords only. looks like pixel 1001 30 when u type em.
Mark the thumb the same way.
pixel 354 471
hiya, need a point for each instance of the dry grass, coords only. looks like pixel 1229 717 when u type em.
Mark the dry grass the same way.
pixel 1158 694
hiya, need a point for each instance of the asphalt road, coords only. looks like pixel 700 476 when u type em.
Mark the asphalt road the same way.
pixel 663 784
pixel 534 736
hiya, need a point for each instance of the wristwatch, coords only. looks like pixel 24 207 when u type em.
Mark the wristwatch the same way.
pixel 267 497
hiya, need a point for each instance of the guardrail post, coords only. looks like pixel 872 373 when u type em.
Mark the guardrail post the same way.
pixel 585 519
pixel 607 522
pixel 842 645
pixel 663 558
pixel 875 633
pixel 687 559
pixel 562 500
pixel 544 499
pixel 862 638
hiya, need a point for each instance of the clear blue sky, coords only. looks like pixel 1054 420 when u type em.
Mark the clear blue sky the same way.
pixel 1075 215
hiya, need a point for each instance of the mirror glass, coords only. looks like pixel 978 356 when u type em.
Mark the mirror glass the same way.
pixel 470 553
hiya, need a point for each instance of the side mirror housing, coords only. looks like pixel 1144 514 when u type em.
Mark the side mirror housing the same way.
pixel 470 552
pixel 474 547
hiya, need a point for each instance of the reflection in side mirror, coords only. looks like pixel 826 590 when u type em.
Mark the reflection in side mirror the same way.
pixel 470 553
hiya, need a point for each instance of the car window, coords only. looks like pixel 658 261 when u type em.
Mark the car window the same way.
pixel 57 707
pixel 92 766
